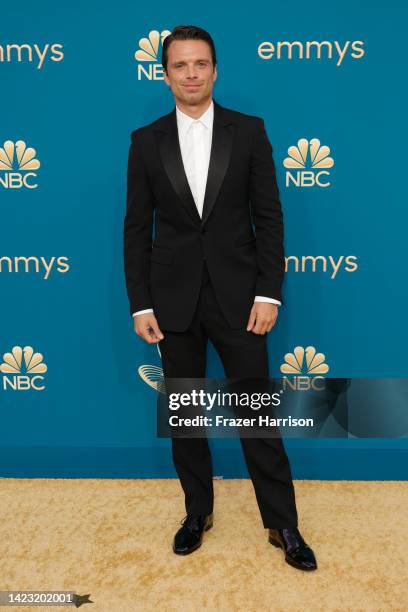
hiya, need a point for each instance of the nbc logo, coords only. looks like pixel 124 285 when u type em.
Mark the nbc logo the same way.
pixel 306 365
pixel 22 369
pixel 147 56
pixel 153 375
pixel 308 154
pixel 17 162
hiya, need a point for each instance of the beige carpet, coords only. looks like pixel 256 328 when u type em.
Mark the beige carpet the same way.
pixel 112 539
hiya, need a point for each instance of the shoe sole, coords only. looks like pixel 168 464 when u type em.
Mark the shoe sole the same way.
pixel 289 560
pixel 187 552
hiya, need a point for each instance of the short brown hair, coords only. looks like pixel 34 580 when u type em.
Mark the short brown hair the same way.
pixel 187 32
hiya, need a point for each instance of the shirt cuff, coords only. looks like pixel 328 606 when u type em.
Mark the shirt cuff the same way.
pixel 142 311
pixel 261 298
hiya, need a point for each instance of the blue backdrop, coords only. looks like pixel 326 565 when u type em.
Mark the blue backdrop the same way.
pixel 73 90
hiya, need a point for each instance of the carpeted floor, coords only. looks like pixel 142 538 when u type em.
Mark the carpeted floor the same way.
pixel 112 539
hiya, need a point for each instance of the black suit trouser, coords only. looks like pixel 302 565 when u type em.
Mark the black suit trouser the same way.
pixel 243 354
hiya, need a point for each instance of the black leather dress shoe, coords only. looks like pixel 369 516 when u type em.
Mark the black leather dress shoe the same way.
pixel 190 536
pixel 297 552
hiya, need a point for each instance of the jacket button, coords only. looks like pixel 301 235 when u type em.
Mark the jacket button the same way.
pixel 203 230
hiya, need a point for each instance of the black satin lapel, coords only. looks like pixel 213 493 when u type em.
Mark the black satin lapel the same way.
pixel 221 148
pixel 170 152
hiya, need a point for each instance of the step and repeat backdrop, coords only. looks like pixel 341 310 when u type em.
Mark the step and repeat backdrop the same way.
pixel 77 392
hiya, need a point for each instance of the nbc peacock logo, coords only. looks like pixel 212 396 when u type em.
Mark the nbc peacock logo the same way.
pixel 308 164
pixel 22 370
pixel 306 366
pixel 147 56
pixel 17 165
pixel 153 375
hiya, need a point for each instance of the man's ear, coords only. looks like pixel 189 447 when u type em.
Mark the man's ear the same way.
pixel 215 73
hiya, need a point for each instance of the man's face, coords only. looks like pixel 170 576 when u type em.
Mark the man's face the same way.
pixel 190 71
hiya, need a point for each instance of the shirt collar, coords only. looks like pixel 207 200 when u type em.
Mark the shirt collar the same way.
pixel 184 121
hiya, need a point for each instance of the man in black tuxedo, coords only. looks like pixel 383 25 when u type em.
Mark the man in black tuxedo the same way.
pixel 206 173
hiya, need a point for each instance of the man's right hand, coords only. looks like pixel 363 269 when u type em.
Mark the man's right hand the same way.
pixel 146 327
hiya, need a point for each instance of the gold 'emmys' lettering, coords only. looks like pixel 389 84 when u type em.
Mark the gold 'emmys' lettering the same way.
pixel 311 50
pixel 25 53
pixel 36 265
pixel 321 263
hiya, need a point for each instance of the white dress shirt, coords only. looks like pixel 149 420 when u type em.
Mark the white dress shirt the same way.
pixel 195 136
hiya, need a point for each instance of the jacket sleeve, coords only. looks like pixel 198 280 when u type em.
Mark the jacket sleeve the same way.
pixel 138 227
pixel 267 215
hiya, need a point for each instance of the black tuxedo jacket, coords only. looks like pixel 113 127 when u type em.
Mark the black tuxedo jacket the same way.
pixel 164 272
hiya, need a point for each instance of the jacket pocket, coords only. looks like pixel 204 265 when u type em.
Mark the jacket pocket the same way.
pixel 161 255
pixel 241 241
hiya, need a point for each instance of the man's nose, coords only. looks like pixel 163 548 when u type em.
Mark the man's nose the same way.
pixel 191 72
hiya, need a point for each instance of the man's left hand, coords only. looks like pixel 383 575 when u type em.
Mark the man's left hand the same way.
pixel 262 317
